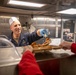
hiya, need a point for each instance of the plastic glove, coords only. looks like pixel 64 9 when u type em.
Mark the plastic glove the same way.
pixel 44 32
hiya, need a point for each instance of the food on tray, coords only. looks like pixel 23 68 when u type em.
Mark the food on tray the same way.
pixel 46 43
pixel 44 46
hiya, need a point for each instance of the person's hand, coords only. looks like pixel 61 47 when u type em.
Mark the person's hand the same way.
pixel 66 45
pixel 27 48
pixel 44 32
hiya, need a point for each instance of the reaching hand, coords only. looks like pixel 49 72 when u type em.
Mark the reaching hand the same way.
pixel 66 45
pixel 44 32
pixel 27 48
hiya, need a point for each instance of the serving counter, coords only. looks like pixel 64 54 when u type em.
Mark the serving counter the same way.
pixel 50 61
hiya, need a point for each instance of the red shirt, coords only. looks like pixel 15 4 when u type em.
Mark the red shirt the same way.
pixel 73 47
pixel 28 65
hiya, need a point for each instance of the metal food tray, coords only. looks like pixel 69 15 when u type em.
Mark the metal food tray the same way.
pixel 46 48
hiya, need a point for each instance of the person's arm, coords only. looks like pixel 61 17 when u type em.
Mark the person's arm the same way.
pixel 34 36
pixel 28 65
pixel 69 45
pixel 73 47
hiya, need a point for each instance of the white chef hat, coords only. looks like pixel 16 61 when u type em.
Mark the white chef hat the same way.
pixel 12 19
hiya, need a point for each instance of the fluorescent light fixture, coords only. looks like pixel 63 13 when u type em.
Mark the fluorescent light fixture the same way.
pixel 21 3
pixel 71 11
pixel 48 19
pixel 43 18
pixel 63 19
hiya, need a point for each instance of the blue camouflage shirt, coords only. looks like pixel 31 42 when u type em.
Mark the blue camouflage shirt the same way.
pixel 25 39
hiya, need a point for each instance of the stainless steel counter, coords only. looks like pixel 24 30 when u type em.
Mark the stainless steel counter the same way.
pixel 52 62
pixel 56 62
pixel 48 55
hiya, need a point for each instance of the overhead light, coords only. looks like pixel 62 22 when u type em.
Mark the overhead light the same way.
pixel 43 18
pixel 71 11
pixel 21 3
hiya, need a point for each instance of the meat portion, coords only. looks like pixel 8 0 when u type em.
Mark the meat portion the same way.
pixel 46 43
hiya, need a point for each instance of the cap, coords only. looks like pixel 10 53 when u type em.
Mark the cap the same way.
pixel 12 19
